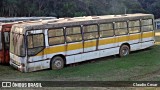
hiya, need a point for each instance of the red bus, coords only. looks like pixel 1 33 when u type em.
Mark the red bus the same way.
pixel 5 34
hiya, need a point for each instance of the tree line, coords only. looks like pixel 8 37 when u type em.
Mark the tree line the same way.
pixel 72 8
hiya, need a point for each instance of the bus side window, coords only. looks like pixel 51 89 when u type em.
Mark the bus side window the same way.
pixel 73 34
pixel 147 25
pixel 121 28
pixel 56 36
pixel 106 30
pixel 35 44
pixel 134 26
pixel 90 32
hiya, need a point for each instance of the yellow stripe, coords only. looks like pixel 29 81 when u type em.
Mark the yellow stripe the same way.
pixel 106 41
pixel 134 37
pixel 90 44
pixel 74 46
pixel 122 39
pixel 148 34
pixel 69 47
pixel 52 50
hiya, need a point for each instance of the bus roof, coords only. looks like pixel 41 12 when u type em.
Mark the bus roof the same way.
pixel 66 22
pixel 13 19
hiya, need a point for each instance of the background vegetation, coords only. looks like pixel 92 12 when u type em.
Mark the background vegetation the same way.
pixel 71 8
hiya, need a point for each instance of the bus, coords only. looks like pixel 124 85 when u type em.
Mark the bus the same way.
pixel 5 27
pixel 56 43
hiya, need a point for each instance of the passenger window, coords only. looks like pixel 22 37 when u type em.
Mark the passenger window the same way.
pixel 90 32
pixel 90 28
pixel 134 26
pixel 56 40
pixel 55 32
pixel 56 36
pixel 134 23
pixel 147 25
pixel 120 25
pixel 106 30
pixel 121 28
pixel 147 28
pixel 134 30
pixel 73 30
pixel 147 22
pixel 121 31
pixel 106 26
pixel 89 36
pixel 35 44
pixel 73 34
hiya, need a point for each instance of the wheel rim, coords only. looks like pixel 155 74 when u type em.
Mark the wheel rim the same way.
pixel 58 63
pixel 125 51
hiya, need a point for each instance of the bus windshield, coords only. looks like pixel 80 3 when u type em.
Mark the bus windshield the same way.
pixel 17 44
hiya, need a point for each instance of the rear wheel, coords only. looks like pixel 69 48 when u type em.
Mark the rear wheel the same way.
pixel 124 51
pixel 57 63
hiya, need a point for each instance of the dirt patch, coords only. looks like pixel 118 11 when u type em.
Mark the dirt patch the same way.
pixel 147 75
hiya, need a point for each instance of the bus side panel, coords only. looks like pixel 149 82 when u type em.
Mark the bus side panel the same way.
pixel 38 65
pixel 122 39
pixel 7 57
pixel 109 51
pixel 106 43
pixel 74 48
pixel 90 45
pixel 1 56
pixel 107 47
pixel 73 52
pixel 147 39
pixel 147 36
pixel 90 55
pixel 90 50
pixel 135 41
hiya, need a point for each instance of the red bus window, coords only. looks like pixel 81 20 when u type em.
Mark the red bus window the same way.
pixel 6 39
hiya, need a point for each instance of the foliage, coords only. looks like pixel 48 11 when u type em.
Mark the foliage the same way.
pixel 72 8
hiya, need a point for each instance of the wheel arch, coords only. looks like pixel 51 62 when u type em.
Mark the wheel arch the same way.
pixel 127 45
pixel 59 55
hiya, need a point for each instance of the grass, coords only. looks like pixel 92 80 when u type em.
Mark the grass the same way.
pixel 139 65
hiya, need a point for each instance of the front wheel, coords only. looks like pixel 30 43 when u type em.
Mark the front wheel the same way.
pixel 57 63
pixel 124 51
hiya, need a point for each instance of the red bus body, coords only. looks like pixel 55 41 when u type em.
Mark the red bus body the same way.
pixel 4 51
pixel 5 29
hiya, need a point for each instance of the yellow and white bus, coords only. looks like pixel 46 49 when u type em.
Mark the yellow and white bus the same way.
pixel 52 44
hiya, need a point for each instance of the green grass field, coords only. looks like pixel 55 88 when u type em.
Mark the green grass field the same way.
pixel 139 65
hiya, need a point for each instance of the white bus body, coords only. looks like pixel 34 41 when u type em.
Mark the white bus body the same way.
pixel 37 46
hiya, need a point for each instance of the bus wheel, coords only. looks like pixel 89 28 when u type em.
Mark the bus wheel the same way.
pixel 124 51
pixel 57 63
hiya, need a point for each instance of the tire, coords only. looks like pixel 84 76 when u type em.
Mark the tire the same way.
pixel 57 63
pixel 124 51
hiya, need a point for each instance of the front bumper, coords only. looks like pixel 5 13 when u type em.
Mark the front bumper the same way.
pixel 18 67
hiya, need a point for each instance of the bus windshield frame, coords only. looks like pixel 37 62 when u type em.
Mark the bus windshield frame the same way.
pixel 17 44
